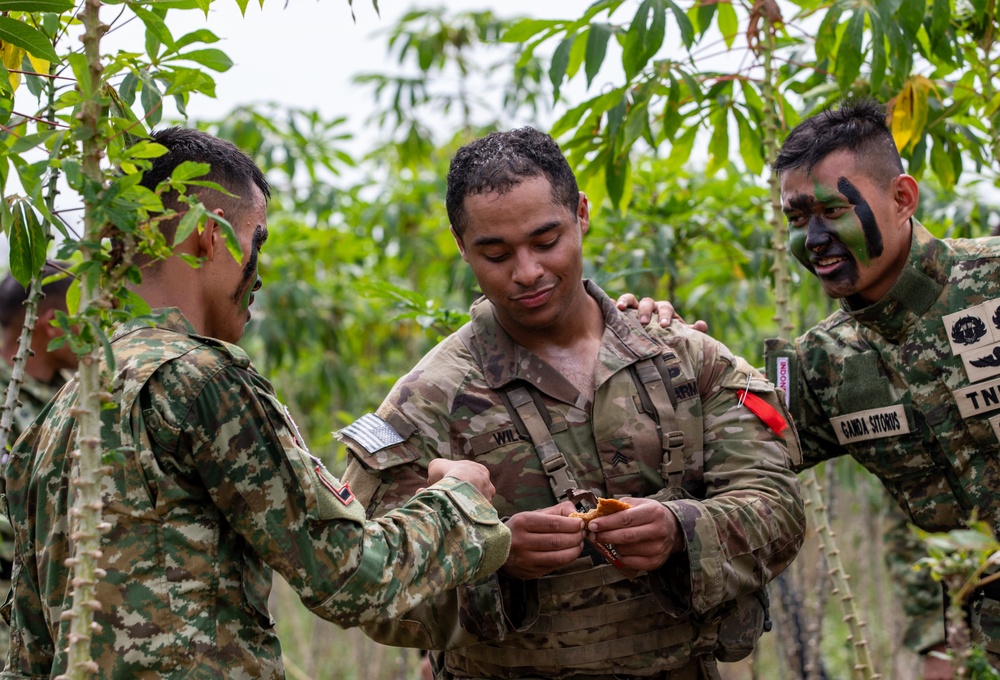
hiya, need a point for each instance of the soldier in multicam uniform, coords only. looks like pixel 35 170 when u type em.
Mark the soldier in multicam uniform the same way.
pixel 552 388
pixel 44 373
pixel 212 487
pixel 905 377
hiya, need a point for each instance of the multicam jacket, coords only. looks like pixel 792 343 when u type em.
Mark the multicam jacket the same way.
pixel 33 396
pixel 910 387
pixel 209 490
pixel 738 503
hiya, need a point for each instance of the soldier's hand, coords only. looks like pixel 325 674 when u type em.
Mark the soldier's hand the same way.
pixel 644 536
pixel 466 470
pixel 663 309
pixel 543 541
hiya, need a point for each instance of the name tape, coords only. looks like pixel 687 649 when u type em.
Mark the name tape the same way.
pixel 875 423
pixel 978 398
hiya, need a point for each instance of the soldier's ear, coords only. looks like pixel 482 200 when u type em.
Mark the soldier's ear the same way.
pixel 459 242
pixel 906 194
pixel 208 237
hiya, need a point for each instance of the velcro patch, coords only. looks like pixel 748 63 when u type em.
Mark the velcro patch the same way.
pixel 342 492
pixel 874 423
pixel 372 433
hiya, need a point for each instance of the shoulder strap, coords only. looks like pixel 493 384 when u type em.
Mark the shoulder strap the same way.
pixel 656 394
pixel 531 418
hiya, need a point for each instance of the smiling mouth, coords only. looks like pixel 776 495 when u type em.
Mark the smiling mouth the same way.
pixel 534 299
pixel 827 265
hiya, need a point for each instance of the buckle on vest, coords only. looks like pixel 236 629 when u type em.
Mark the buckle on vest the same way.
pixel 674 440
pixel 560 479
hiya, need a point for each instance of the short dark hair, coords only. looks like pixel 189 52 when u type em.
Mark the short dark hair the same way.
pixel 858 127
pixel 13 295
pixel 232 169
pixel 499 162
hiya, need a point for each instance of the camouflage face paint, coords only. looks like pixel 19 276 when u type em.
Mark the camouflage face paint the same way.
pixel 244 289
pixel 873 236
pixel 847 227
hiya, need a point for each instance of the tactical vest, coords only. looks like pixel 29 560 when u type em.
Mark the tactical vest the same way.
pixel 635 635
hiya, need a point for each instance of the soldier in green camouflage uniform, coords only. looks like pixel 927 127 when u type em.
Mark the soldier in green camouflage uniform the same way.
pixel 211 487
pixel 715 511
pixel 905 377
pixel 44 373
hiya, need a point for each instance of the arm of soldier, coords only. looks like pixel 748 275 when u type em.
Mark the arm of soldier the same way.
pixel 385 479
pixel 786 367
pixel 750 523
pixel 308 526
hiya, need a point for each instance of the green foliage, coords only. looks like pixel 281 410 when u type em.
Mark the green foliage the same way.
pixel 936 70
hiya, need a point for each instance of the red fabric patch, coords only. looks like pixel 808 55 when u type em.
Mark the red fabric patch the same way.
pixel 343 492
pixel 764 411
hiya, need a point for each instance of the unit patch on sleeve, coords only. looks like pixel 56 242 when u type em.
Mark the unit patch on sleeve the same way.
pixel 874 423
pixel 373 433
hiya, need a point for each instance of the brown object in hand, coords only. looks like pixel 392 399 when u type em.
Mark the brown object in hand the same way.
pixel 605 506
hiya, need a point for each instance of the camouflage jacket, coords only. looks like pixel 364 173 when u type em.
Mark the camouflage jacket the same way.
pixel 32 398
pixel 738 506
pixel 210 488
pixel 910 386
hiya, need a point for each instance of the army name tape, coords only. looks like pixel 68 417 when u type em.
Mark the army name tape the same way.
pixel 875 423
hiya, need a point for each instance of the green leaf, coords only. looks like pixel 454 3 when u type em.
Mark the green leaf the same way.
pixel 27 38
pixel 78 62
pixel 155 25
pixel 939 19
pixel 680 149
pixel 634 48
pixel 242 4
pixel 618 174
pixel 718 144
pixel 56 6
pixel 751 145
pixel 188 222
pixel 202 35
pixel 526 29
pixel 189 170
pixel 701 14
pixel 597 48
pixel 942 165
pixel 878 59
pixel 145 149
pixel 910 16
pixel 687 30
pixel 557 69
pixel 217 60
pixel 826 36
pixel 849 54
pixel 27 243
pixel 28 142
pixel 728 23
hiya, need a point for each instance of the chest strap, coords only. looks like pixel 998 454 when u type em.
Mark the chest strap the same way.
pixel 656 394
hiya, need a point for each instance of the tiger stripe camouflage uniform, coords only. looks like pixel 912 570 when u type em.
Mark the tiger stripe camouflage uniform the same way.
pixel 737 504
pixel 910 387
pixel 209 490
pixel 33 396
